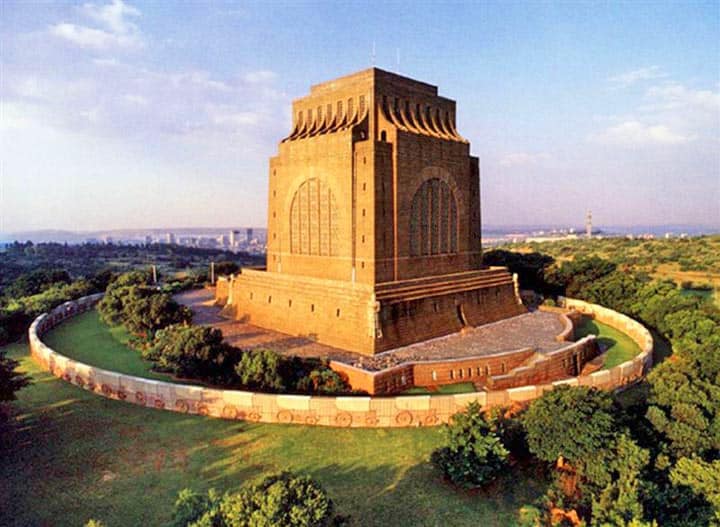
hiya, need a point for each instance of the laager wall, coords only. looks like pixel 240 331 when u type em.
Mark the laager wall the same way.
pixel 401 411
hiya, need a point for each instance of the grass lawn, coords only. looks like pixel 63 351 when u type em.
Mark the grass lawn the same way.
pixel 87 339
pixel 443 389
pixel 620 347
pixel 68 456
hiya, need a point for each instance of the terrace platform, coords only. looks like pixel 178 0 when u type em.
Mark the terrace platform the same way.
pixel 536 330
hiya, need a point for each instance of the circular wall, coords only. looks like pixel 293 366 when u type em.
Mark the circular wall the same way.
pixel 346 411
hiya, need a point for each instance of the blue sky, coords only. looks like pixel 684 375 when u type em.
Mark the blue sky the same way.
pixel 164 114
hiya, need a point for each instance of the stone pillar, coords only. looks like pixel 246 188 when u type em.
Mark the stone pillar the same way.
pixel 516 288
pixel 231 289
pixel 374 312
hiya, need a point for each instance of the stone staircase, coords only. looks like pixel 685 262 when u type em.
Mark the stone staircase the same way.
pixel 418 288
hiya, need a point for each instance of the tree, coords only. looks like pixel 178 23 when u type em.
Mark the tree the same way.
pixel 576 423
pixel 10 379
pixel 530 267
pixel 261 370
pixel 702 477
pixel 197 510
pixel 618 503
pixel 146 310
pixel 140 308
pixel 283 500
pixel 226 268
pixel 322 380
pixel 572 277
pixel 684 401
pixel 193 351
pixel 473 454
pixel 35 282
pixel 656 300
pixel 616 290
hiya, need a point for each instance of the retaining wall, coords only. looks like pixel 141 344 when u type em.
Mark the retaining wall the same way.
pixel 400 411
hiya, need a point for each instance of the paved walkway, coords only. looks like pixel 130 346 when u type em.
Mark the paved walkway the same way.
pixel 536 329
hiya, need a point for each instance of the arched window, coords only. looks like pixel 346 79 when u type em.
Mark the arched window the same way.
pixel 313 220
pixel 433 220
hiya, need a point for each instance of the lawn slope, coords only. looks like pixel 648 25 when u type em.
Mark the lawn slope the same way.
pixel 68 455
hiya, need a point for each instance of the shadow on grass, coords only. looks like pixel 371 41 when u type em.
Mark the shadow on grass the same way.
pixel 586 327
pixel 420 496
pixel 605 343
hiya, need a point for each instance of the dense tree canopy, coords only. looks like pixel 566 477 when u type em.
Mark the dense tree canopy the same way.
pixel 530 267
pixel 141 308
pixel 577 423
pixel 36 282
pixel 193 351
pixel 261 370
pixel 282 500
pixel 473 454
pixel 702 477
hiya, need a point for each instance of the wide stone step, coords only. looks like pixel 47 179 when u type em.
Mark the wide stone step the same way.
pixel 466 275
pixel 415 291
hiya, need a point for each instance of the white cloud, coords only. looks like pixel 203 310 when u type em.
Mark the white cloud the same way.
pixel 632 77
pixel 116 32
pixel 135 103
pixel 672 96
pixel 518 159
pixel 87 37
pixel 635 133
pixel 669 113
pixel 260 76
pixel 113 16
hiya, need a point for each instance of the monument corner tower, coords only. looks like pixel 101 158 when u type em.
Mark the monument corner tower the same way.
pixel 373 223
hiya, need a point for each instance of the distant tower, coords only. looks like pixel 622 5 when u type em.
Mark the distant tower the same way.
pixel 170 238
pixel 588 224
pixel 234 238
pixel 248 235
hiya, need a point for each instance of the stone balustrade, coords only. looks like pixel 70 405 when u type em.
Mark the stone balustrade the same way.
pixel 346 411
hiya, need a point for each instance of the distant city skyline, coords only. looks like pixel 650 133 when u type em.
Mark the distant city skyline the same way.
pixel 136 114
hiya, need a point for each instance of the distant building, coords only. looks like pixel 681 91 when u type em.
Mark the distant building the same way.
pixel 588 224
pixel 248 235
pixel 148 240
pixel 170 238
pixel 234 238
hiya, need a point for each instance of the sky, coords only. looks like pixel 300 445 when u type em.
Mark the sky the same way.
pixel 164 114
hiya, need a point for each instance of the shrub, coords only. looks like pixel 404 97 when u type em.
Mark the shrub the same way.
pixel 146 311
pixel 140 308
pixel 226 268
pixel 322 380
pixel 261 370
pixel 193 351
pixel 197 510
pixel 282 500
pixel 473 454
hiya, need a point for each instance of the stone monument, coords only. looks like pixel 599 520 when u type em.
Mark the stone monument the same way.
pixel 373 235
